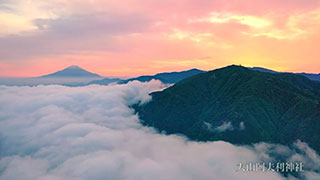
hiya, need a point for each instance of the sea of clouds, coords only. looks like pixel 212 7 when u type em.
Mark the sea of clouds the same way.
pixel 90 133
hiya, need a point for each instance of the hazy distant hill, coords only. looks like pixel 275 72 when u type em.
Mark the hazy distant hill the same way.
pixel 72 72
pixel 105 81
pixel 170 77
pixel 238 105
pixel 263 70
pixel 314 77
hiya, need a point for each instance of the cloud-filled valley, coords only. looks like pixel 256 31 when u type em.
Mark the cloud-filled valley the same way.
pixel 91 133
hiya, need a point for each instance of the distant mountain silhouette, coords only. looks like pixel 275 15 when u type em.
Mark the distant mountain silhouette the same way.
pixel 263 70
pixel 168 77
pixel 72 72
pixel 314 77
pixel 238 105
pixel 105 81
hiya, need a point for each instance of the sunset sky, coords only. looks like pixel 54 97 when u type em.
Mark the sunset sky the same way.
pixel 134 37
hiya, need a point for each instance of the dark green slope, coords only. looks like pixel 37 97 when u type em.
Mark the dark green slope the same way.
pixel 240 106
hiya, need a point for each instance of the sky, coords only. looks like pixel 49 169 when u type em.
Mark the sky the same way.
pixel 135 37
pixel 90 133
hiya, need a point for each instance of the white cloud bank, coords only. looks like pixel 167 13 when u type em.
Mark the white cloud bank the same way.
pixel 89 133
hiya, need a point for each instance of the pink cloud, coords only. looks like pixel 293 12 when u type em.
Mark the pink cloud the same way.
pixel 137 34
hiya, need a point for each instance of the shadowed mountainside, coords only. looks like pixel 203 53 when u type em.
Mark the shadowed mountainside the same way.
pixel 238 105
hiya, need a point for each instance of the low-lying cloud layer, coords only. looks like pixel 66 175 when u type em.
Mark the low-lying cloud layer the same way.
pixel 90 133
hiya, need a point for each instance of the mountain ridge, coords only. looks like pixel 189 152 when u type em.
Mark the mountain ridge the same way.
pixel 166 77
pixel 311 76
pixel 238 105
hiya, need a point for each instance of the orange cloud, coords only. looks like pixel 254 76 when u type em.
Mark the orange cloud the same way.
pixel 114 38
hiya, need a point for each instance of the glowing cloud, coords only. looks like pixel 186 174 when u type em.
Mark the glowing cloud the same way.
pixel 252 21
pixel 116 39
